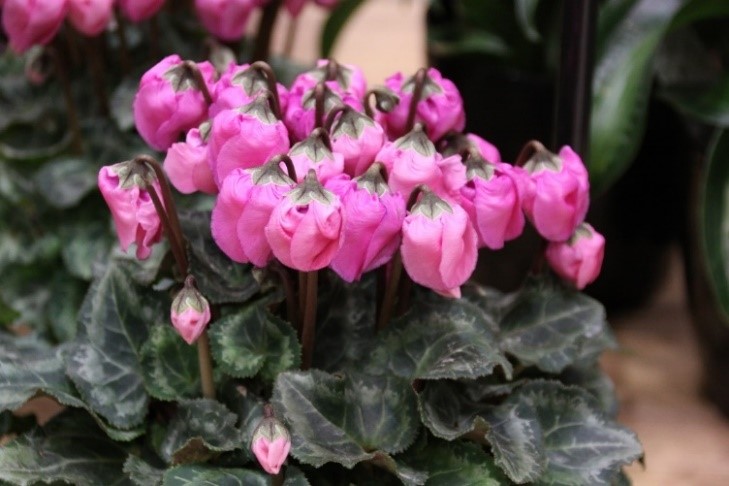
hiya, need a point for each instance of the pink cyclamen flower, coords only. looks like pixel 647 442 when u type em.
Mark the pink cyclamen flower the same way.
pixel 190 312
pixel 440 107
pixel 186 163
pixel 31 22
pixel 439 245
pixel 491 199
pixel 313 153
pixel 305 229
pixel 90 17
pixel 358 138
pixel 485 149
pixel 225 19
pixel 341 78
pixel 243 208
pixel 271 444
pixel 131 206
pixel 373 217
pixel 579 259
pixel 168 102
pixel 138 10
pixel 240 85
pixel 301 108
pixel 557 193
pixel 245 137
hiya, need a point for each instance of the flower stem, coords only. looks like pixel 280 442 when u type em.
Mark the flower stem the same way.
pixel 262 47
pixel 121 30
pixel 194 71
pixel 93 47
pixel 319 93
pixel 290 168
pixel 527 152
pixel 420 78
pixel 391 291
pixel 292 313
pixel 71 112
pixel 331 117
pixel 206 365
pixel 270 76
pixel 309 328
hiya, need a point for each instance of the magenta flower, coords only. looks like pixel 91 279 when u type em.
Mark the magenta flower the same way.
pixel 90 17
pixel 271 444
pixel 313 153
pixel 485 149
pixel 579 259
pixel 358 138
pixel 168 102
pixel 439 245
pixel 492 201
pixel 243 208
pixel 240 85
pixel 135 217
pixel 190 312
pixel 557 193
pixel 187 163
pixel 343 78
pixel 245 137
pixel 373 217
pixel 138 10
pixel 301 109
pixel 31 22
pixel 440 107
pixel 225 19
pixel 305 229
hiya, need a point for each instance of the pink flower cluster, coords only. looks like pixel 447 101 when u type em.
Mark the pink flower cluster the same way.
pixel 307 177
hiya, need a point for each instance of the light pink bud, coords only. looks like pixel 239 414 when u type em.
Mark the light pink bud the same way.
pixel 190 312
pixel 131 206
pixel 168 102
pixel 305 229
pixel 90 17
pixel 245 137
pixel 439 245
pixel 313 153
pixel 225 19
pixel 187 164
pixel 243 209
pixel 492 201
pixel 557 193
pixel 138 10
pixel 358 138
pixel 31 22
pixel 373 218
pixel 440 107
pixel 271 444
pixel 579 259
pixel 240 85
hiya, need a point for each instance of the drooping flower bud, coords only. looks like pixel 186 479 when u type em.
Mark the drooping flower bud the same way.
pixel 138 10
pixel 358 138
pixel 135 218
pixel 240 85
pixel 440 107
pixel 243 208
pixel 90 17
pixel 313 153
pixel 31 22
pixel 300 115
pixel 271 443
pixel 245 137
pixel 558 193
pixel 492 201
pixel 305 229
pixel 225 19
pixel 187 163
pixel 439 245
pixel 373 217
pixel 579 259
pixel 342 78
pixel 190 312
pixel 169 103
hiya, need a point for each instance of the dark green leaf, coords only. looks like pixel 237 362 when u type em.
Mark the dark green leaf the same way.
pixel 344 419
pixel 85 244
pixel 199 429
pixel 142 473
pixel 34 142
pixel 249 409
pixel 335 23
pixel 446 338
pixel 294 477
pixel 709 104
pixel 13 424
pixel 104 360
pixel 552 327
pixel 198 475
pixel 448 413
pixel 169 365
pixel 218 278
pixel 595 381
pixel 65 297
pixel 253 341
pixel 526 11
pixel 71 448
pixel 63 182
pixel 122 100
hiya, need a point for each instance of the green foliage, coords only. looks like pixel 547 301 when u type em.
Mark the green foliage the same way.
pixel 169 365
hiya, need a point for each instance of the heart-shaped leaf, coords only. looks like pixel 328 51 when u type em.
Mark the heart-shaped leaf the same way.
pixel 193 474
pixel 170 365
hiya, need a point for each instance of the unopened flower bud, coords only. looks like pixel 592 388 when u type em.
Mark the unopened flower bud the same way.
pixel 30 22
pixel 90 17
pixel 313 153
pixel 225 19
pixel 271 443
pixel 579 259
pixel 190 312
pixel 138 10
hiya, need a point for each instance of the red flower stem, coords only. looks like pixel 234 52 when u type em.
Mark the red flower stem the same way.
pixel 92 47
pixel 292 313
pixel 391 291
pixel 197 76
pixel 332 69
pixel 302 294
pixel 420 78
pixel 121 30
pixel 206 365
pixel 71 112
pixel 331 117
pixel 262 47
pixel 176 249
pixel 319 92
pixel 154 37
pixel 527 152
pixel 290 168
pixel 323 136
pixel 270 76
pixel 309 328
